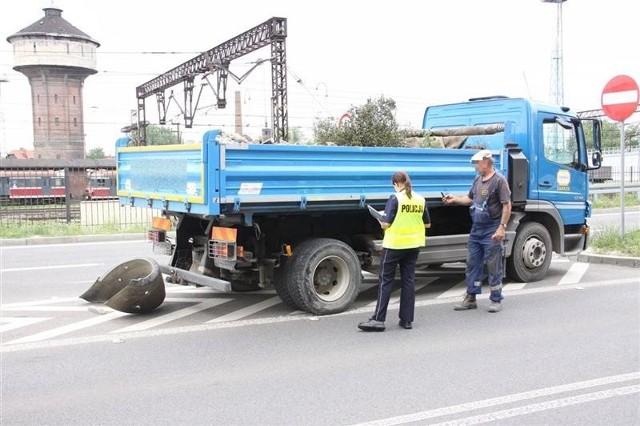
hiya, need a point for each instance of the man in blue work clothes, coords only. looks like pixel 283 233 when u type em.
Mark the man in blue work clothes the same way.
pixel 490 201
pixel 405 219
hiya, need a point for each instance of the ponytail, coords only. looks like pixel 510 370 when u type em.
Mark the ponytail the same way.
pixel 403 178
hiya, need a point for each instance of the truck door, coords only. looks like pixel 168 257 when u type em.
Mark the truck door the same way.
pixel 562 178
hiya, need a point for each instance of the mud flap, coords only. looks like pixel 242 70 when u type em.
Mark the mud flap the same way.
pixel 135 286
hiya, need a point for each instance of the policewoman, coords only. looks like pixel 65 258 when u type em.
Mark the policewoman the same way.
pixel 405 218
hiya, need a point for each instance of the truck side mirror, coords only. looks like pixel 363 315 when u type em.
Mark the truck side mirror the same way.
pixel 596 159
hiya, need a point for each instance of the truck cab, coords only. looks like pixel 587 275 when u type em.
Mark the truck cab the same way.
pixel 546 161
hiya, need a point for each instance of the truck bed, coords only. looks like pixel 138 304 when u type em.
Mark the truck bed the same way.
pixel 213 178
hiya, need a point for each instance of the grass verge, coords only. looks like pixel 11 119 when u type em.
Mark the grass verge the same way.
pixel 609 241
pixel 56 229
pixel 606 201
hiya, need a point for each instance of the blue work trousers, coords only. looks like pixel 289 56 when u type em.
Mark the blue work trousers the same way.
pixel 484 251
pixel 391 258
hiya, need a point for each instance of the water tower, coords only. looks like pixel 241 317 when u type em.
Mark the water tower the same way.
pixel 56 57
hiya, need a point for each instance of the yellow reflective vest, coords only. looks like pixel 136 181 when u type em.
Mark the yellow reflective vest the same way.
pixel 407 229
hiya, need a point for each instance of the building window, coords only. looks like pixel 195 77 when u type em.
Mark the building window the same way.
pixel 39 122
pixel 67 48
pixel 75 122
pixel 34 48
pixel 37 98
pixel 57 121
pixel 55 99
pixel 74 99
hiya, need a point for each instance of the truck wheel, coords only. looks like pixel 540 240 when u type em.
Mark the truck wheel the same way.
pixel 532 251
pixel 280 284
pixel 323 276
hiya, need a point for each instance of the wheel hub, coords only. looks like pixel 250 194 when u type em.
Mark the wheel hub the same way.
pixel 331 278
pixel 534 253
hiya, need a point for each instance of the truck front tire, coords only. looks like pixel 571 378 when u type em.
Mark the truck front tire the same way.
pixel 323 276
pixel 532 252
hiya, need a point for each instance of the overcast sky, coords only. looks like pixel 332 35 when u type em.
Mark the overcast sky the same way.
pixel 339 54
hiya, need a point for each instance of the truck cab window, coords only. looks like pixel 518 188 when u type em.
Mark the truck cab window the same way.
pixel 560 144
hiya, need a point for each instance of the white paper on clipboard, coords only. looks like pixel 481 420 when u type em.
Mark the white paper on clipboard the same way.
pixel 376 214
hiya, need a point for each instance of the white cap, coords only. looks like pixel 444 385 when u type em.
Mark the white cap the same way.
pixel 481 155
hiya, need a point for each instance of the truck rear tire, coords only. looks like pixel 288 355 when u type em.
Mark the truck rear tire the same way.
pixel 323 276
pixel 532 252
pixel 280 284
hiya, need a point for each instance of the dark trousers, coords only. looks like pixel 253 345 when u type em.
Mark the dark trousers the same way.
pixel 391 258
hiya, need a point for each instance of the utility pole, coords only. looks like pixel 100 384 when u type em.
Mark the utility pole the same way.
pixel 557 72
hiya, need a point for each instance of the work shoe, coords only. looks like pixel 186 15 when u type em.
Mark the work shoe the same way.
pixel 371 325
pixel 469 302
pixel 495 307
pixel 405 324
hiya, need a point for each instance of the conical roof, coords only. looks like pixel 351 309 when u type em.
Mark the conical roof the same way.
pixel 53 24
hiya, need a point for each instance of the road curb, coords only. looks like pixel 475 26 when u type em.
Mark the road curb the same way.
pixel 590 257
pixel 71 239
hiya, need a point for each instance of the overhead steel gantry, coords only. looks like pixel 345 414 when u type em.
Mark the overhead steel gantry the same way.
pixel 594 113
pixel 216 61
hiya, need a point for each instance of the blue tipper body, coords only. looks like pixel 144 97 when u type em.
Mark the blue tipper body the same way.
pixel 213 178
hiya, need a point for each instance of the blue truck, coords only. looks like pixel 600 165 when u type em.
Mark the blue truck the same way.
pixel 295 217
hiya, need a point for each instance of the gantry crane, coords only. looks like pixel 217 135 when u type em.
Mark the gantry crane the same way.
pixel 216 61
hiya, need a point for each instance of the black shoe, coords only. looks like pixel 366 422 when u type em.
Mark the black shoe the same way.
pixel 371 325
pixel 405 324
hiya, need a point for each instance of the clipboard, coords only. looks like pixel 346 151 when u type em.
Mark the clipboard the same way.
pixel 376 214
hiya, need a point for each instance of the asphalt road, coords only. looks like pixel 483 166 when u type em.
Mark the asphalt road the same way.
pixel 563 351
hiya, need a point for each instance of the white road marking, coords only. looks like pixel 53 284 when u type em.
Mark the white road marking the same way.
pixel 249 310
pixel 574 274
pixel 67 328
pixel 25 346
pixel 40 302
pixel 513 286
pixel 395 296
pixel 48 308
pixel 508 399
pixel 455 291
pixel 181 313
pixel 43 268
pixel 11 323
pixel 544 406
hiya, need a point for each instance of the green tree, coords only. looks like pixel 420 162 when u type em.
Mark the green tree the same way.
pixel 160 135
pixel 371 124
pixel 95 153
pixel 156 135
pixel 611 134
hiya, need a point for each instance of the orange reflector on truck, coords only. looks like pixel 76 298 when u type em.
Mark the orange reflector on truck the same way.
pixel 161 223
pixel 224 234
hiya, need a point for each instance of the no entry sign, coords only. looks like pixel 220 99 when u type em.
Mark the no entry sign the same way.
pixel 620 98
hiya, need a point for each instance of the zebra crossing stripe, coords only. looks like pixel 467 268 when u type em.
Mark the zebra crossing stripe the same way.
pixel 455 291
pixel 11 323
pixel 574 274
pixel 249 310
pixel 55 332
pixel 181 313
